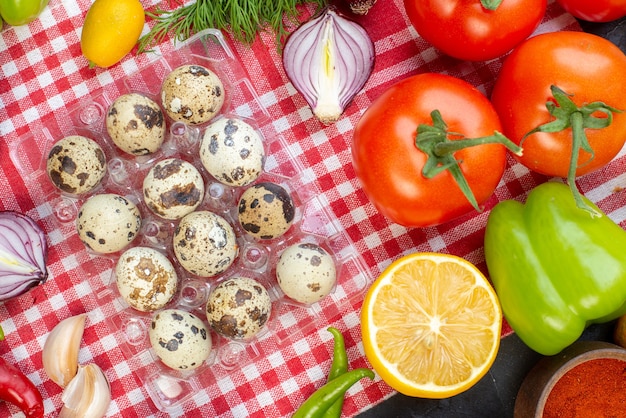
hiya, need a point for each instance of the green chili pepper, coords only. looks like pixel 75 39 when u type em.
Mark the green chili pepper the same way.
pixel 338 367
pixel 323 398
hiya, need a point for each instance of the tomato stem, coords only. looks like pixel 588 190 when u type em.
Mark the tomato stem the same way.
pixel 491 4
pixel 434 140
pixel 568 115
pixel 579 141
pixel 448 147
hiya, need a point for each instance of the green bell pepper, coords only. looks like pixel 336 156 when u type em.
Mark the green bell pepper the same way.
pixel 21 12
pixel 556 268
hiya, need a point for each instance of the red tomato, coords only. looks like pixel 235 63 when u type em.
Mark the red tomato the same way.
pixel 596 10
pixel 585 66
pixel 466 30
pixel 389 164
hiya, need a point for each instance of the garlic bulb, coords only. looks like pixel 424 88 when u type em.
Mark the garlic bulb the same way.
pixel 88 394
pixel 60 351
pixel 328 60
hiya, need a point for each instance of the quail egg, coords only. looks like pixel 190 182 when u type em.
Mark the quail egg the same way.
pixel 173 188
pixel 192 94
pixel 205 243
pixel 136 124
pixel 266 210
pixel 232 152
pixel 238 308
pixel 180 339
pixel 106 223
pixel 76 164
pixel 306 272
pixel 145 278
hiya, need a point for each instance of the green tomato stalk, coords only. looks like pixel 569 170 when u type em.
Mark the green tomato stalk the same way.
pixel 567 115
pixel 490 4
pixel 433 140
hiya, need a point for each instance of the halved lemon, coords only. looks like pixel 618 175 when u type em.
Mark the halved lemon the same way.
pixel 431 325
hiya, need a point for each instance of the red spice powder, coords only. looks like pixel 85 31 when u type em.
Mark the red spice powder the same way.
pixel 593 389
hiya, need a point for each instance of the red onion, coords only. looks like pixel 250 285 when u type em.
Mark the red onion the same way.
pixel 328 60
pixel 23 251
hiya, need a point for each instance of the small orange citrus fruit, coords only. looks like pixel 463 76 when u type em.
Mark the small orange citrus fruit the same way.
pixel 111 30
pixel 431 325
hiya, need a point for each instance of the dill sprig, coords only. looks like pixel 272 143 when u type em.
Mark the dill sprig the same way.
pixel 244 19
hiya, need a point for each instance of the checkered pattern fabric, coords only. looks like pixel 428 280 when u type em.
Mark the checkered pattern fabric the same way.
pixel 42 73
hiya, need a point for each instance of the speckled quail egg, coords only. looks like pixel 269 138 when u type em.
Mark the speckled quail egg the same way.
pixel 205 243
pixel 266 210
pixel 173 188
pixel 180 339
pixel 232 152
pixel 306 272
pixel 238 308
pixel 136 124
pixel 192 94
pixel 76 164
pixel 106 223
pixel 145 278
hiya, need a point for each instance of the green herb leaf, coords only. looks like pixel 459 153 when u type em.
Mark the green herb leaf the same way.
pixel 244 19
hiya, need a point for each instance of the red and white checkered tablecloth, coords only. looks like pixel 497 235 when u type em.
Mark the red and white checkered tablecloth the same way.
pixel 42 73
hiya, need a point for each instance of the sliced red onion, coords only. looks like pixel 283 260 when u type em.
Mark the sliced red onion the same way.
pixel 328 60
pixel 23 251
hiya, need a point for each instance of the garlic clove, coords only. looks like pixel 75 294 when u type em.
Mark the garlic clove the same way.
pixel 87 395
pixel 60 351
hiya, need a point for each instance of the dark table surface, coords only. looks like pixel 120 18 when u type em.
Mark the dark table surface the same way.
pixel 494 395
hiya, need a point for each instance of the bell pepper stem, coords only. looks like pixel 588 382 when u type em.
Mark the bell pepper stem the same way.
pixel 434 141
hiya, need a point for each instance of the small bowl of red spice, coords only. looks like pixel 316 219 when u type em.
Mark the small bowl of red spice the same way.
pixel 587 379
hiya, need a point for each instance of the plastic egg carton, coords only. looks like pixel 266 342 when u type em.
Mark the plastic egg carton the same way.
pixel 257 258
